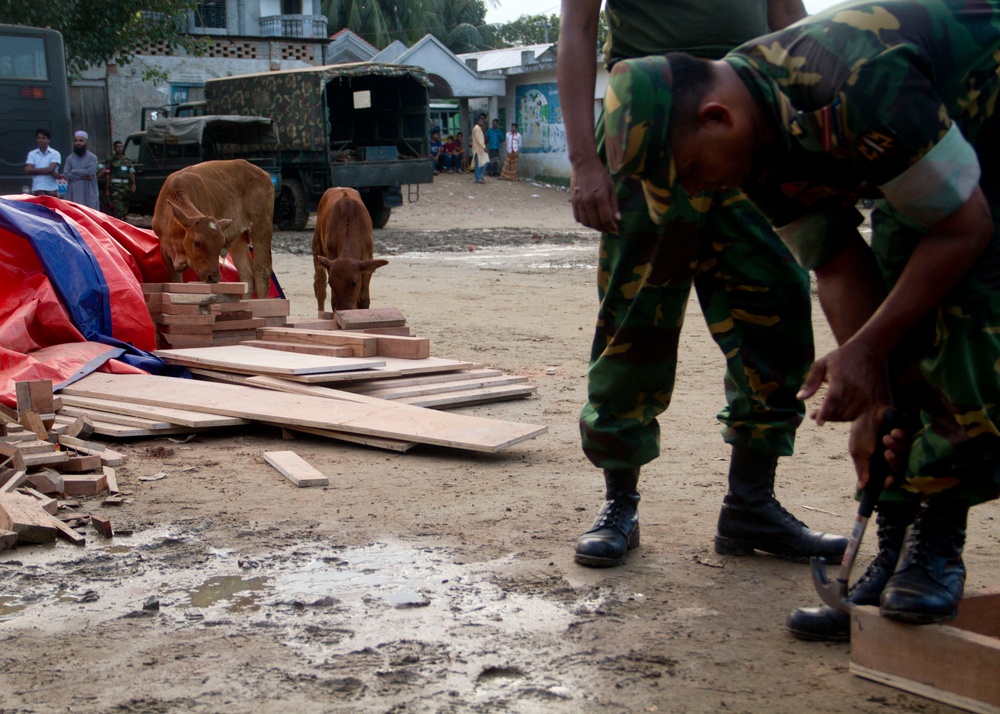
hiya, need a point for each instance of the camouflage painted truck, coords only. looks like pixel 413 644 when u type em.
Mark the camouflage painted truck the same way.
pixel 361 125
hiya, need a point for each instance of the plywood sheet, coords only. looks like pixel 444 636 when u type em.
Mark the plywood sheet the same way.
pixel 180 417
pixel 253 360
pixel 397 421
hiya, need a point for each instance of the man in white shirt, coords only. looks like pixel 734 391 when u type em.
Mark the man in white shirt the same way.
pixel 43 166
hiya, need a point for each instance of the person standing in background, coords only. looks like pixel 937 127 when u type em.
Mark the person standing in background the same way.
pixel 43 166
pixel 509 172
pixel 81 174
pixel 480 158
pixel 119 181
pixel 494 140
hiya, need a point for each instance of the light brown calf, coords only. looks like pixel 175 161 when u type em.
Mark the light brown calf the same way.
pixel 342 250
pixel 213 207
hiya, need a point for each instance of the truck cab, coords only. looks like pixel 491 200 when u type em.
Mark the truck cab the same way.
pixel 171 144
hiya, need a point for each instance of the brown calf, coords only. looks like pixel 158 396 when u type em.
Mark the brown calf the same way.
pixel 213 207
pixel 342 250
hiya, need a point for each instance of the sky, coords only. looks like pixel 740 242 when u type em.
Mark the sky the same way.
pixel 500 11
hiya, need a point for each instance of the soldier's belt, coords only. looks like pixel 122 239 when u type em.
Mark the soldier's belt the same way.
pixel 119 180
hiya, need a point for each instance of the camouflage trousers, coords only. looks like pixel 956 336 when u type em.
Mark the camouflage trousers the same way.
pixel 946 375
pixel 119 200
pixel 754 297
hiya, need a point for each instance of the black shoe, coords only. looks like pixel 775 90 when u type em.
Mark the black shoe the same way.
pixel 930 576
pixel 616 530
pixel 825 624
pixel 752 518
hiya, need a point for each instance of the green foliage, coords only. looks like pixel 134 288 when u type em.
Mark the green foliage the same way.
pixel 528 30
pixel 459 24
pixel 107 31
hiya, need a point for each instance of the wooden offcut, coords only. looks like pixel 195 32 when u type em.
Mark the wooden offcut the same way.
pixel 296 469
pixel 323 350
pixel 370 317
pixel 366 344
pixel 386 419
pixel 22 515
pixel 955 663
pixel 89 484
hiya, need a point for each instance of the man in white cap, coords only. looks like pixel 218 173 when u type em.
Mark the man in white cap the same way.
pixel 81 174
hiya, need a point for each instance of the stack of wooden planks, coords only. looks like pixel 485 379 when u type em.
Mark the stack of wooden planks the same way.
pixel 202 314
pixel 42 465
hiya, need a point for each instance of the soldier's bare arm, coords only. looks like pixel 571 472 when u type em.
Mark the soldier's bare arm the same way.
pixel 782 13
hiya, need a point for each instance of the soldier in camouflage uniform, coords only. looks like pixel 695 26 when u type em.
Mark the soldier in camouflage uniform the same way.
pixel 897 98
pixel 120 178
pixel 753 295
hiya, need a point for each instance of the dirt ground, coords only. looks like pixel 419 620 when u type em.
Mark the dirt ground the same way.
pixel 437 580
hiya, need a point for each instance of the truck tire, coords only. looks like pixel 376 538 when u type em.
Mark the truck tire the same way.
pixel 375 203
pixel 290 211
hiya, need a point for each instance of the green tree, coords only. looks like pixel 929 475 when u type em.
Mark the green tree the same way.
pixel 107 31
pixel 459 24
pixel 531 30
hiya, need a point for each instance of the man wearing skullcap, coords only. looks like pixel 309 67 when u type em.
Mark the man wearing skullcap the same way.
pixel 81 174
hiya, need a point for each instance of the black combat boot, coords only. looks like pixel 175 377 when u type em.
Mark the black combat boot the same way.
pixel 930 575
pixel 753 519
pixel 825 624
pixel 616 530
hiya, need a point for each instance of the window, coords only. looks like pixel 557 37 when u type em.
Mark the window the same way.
pixel 210 13
pixel 23 58
pixel 291 7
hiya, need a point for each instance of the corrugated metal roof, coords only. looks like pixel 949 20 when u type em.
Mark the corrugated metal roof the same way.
pixel 505 58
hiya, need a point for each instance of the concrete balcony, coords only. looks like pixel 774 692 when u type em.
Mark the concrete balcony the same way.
pixel 306 26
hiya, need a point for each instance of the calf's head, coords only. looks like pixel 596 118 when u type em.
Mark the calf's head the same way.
pixel 349 279
pixel 203 243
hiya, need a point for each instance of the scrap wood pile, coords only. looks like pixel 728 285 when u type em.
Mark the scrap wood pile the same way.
pixel 44 467
pixel 201 315
pixel 357 375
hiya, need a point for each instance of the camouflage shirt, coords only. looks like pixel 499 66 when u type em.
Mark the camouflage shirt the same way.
pixel 896 96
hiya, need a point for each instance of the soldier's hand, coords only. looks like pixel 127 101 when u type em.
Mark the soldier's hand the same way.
pixel 864 442
pixel 592 192
pixel 856 383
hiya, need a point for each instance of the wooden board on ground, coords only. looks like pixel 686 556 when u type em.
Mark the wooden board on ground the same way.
pixel 394 367
pixel 120 431
pixel 371 317
pixel 324 350
pixel 112 418
pixel 450 377
pixel 955 663
pixel 485 395
pixel 442 386
pixel 23 515
pixel 397 421
pixel 179 417
pixel 296 469
pixel 254 360
pixel 376 442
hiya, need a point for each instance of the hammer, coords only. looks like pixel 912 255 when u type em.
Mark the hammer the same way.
pixel 834 593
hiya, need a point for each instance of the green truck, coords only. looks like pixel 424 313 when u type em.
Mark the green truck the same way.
pixel 361 125
pixel 172 144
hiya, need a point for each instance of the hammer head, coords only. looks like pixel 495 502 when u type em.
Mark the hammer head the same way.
pixel 832 592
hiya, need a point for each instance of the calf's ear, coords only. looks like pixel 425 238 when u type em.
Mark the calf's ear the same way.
pixel 183 218
pixel 371 265
pixel 325 262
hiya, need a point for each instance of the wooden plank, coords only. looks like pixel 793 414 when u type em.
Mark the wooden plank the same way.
pixel 376 442
pixel 227 325
pixel 186 299
pixel 324 350
pixel 180 417
pixel 484 395
pixel 368 344
pixel 22 515
pixel 236 289
pixel 941 662
pixel 233 315
pixel 45 459
pixel 469 375
pixel 394 367
pixel 112 478
pixel 32 420
pixel 240 358
pixel 314 324
pixel 67 533
pixel 442 386
pixel 296 469
pixel 171 309
pixel 270 307
pixel 402 331
pixel 79 464
pixel 120 431
pixel 102 525
pixel 203 332
pixel 403 347
pixel 187 288
pixel 23 447
pixel 371 317
pixel 116 418
pixel 398 421
pixel 185 320
pixel 12 483
pixel 47 504
pixel 8 539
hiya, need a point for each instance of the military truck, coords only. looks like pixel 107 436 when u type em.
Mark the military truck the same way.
pixel 360 125
pixel 171 144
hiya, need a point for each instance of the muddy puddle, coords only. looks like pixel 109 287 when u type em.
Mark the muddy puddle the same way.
pixel 328 604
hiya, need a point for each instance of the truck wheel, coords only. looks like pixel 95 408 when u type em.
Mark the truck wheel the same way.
pixel 290 211
pixel 375 203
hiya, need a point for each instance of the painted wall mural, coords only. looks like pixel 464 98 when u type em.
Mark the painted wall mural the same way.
pixel 539 118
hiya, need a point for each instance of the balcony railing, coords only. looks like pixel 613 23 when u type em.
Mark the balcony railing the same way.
pixel 308 26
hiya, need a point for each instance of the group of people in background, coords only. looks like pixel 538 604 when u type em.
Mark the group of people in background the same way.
pixel 449 155
pixel 82 174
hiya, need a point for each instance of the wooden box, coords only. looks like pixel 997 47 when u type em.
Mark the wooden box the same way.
pixel 957 663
